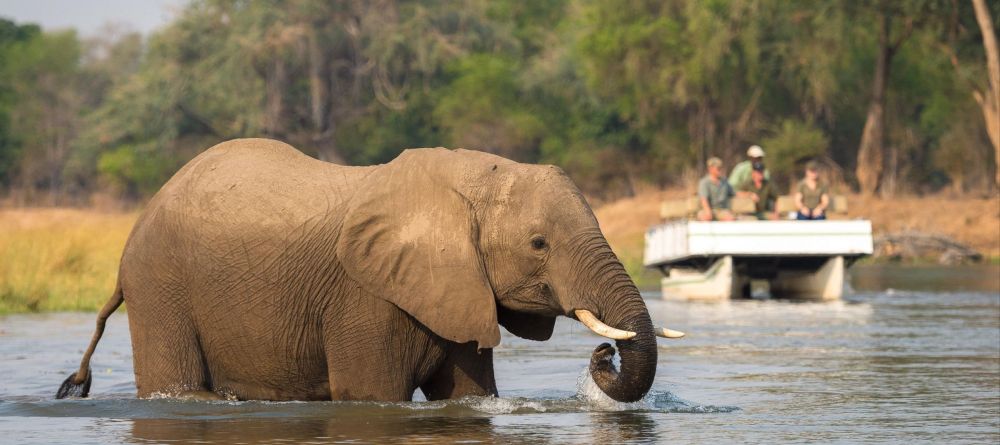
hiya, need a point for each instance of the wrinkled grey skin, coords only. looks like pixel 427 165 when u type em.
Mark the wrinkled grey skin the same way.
pixel 257 272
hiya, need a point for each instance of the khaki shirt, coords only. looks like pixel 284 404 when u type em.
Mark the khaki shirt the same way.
pixel 766 196
pixel 718 195
pixel 811 198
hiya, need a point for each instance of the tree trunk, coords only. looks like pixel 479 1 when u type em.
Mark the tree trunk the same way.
pixel 274 90
pixel 870 152
pixel 990 102
pixel 317 84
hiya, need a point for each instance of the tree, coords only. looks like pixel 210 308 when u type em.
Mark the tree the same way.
pixel 618 92
pixel 965 52
pixel 871 151
pixel 989 100
pixel 43 73
pixel 11 36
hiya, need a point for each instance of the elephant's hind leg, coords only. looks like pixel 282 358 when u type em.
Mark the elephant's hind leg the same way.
pixel 167 355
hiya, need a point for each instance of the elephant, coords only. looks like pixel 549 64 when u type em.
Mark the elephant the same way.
pixel 259 273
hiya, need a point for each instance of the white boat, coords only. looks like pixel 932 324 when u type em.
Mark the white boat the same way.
pixel 720 260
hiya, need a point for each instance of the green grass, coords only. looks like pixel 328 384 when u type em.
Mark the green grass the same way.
pixel 59 259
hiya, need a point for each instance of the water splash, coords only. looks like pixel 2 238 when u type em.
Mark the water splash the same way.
pixel 668 402
pixel 500 405
pixel 595 399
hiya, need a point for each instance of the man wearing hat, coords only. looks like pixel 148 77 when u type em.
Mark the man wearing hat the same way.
pixel 759 190
pixel 714 192
pixel 741 172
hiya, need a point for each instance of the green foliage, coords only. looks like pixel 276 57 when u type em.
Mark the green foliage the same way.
pixel 377 138
pixel 134 169
pixel 960 152
pixel 483 108
pixel 617 92
pixel 792 143
pixel 12 36
pixel 40 75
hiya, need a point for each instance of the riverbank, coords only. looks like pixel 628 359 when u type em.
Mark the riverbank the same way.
pixel 57 259
pixel 972 221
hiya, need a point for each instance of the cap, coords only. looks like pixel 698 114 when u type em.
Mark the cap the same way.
pixel 714 162
pixel 812 165
pixel 755 151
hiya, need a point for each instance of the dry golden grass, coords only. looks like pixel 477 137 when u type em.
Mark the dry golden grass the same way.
pixel 972 221
pixel 59 259
pixel 67 259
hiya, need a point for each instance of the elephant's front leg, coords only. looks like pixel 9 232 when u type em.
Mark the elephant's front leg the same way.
pixel 375 351
pixel 466 371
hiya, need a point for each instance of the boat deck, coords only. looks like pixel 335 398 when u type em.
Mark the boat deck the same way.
pixel 718 260
pixel 678 241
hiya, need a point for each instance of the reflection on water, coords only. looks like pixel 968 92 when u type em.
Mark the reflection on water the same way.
pixel 598 427
pixel 879 277
pixel 334 429
pixel 889 367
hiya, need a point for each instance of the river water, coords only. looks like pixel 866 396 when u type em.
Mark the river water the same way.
pixel 901 359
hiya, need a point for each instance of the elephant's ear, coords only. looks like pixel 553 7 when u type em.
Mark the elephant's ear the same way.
pixel 411 238
pixel 525 325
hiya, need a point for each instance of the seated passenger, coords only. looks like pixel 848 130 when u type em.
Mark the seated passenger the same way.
pixel 740 174
pixel 714 192
pixel 762 193
pixel 811 197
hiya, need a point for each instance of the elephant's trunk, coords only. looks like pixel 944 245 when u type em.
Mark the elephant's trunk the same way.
pixel 616 302
pixel 638 354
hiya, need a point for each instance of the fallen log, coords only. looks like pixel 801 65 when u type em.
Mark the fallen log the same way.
pixel 916 245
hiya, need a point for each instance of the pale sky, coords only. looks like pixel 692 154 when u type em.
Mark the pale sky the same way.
pixel 88 16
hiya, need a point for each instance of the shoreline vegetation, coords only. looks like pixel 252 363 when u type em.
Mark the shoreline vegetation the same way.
pixel 66 259
pixel 60 259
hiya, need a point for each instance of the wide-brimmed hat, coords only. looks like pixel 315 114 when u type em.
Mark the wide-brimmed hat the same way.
pixel 755 151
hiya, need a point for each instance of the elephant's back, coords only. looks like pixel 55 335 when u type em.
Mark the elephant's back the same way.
pixel 241 191
pixel 258 181
pixel 254 196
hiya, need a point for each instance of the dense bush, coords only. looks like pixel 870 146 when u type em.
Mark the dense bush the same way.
pixel 617 92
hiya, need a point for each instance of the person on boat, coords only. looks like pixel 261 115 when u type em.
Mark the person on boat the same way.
pixel 740 175
pixel 759 190
pixel 811 197
pixel 714 192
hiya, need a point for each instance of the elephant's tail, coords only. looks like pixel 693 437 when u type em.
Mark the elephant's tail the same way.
pixel 78 384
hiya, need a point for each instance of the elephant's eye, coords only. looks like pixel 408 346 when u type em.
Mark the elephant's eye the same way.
pixel 538 243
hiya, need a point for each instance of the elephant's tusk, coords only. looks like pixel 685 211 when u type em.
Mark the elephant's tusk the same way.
pixel 667 333
pixel 588 319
